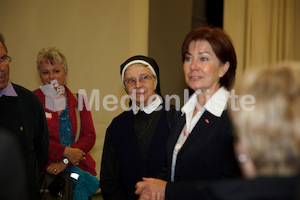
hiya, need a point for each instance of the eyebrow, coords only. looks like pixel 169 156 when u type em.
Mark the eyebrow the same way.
pixel 203 52
pixel 142 75
pixel 200 53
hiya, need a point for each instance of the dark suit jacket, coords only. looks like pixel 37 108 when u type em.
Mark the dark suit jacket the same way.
pixel 260 188
pixel 24 117
pixel 206 156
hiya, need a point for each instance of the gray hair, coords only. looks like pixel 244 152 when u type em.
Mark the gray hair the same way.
pixel 271 132
pixel 2 41
pixel 53 55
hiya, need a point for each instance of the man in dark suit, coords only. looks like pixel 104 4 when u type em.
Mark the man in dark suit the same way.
pixel 22 114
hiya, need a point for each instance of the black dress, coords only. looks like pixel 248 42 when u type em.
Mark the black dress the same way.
pixel 134 147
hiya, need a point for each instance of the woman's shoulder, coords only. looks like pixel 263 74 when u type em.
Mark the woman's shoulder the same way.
pixel 38 92
pixel 124 116
pixel 120 124
pixel 71 96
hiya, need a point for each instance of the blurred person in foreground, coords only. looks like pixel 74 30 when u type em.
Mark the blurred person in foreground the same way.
pixel 200 146
pixel 135 141
pixel 12 173
pixel 268 137
pixel 66 153
pixel 23 115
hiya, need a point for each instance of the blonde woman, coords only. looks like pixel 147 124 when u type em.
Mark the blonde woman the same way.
pixel 65 153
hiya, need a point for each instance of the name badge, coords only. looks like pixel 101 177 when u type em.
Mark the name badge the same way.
pixel 48 115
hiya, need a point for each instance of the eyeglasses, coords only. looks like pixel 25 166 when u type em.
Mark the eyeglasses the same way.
pixel 143 79
pixel 5 59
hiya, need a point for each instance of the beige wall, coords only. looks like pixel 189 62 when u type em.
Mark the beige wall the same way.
pixel 95 35
pixel 169 22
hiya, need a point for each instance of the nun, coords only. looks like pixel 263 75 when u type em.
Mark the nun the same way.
pixel 135 141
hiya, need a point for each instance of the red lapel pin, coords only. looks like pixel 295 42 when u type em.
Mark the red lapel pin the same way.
pixel 207 121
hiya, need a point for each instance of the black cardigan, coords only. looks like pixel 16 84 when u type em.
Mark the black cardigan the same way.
pixel 121 166
pixel 24 116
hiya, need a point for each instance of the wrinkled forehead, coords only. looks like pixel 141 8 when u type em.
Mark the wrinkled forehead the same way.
pixel 200 44
pixel 137 68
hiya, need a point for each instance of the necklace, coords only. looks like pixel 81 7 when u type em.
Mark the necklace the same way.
pixel 65 112
pixel 139 138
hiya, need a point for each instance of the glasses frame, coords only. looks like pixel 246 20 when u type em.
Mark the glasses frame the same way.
pixel 5 59
pixel 142 80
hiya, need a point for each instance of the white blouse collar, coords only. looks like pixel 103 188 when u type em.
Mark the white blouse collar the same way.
pixel 150 108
